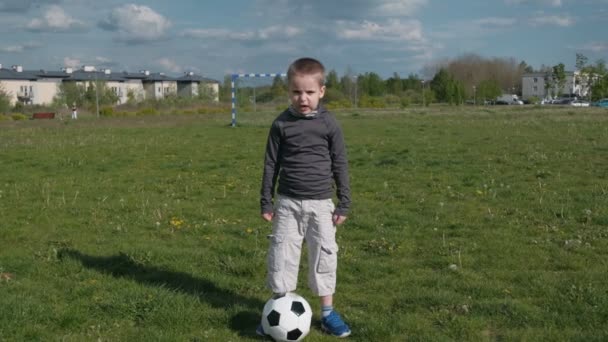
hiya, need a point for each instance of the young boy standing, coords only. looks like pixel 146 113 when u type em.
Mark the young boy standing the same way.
pixel 306 155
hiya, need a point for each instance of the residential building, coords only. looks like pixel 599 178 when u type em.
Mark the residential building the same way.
pixel 539 84
pixel 158 86
pixel 192 85
pixel 41 87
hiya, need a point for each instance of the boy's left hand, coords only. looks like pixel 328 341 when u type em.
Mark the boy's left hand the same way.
pixel 338 219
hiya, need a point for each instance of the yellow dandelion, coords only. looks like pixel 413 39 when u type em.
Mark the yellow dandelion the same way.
pixel 249 230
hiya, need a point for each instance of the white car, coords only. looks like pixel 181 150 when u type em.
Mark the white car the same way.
pixel 579 103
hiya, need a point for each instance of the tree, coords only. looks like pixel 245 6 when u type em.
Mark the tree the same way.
pixel 488 90
pixel 278 90
pixel 206 92
pixel 69 94
pixel 447 89
pixel 5 100
pixel 440 84
pixel 332 81
pixel 226 89
pixel 559 79
pixel 371 84
pixel 470 69
pixel 394 85
pixel 412 82
pixel 348 85
pixel 599 76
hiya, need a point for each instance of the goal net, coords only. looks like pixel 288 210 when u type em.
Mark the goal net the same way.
pixel 253 92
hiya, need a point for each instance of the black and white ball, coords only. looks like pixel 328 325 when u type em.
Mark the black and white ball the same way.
pixel 287 318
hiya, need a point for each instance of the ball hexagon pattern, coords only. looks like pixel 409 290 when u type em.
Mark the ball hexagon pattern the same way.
pixel 287 318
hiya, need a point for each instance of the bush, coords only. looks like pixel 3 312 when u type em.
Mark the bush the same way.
pixel 534 99
pixel 392 100
pixel 107 111
pixel 4 117
pixel 18 116
pixel 372 102
pixel 344 103
pixel 147 111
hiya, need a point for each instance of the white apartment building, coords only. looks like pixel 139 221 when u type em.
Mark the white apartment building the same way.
pixel 535 85
pixel 40 87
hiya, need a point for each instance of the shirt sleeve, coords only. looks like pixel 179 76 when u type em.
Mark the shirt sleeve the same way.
pixel 339 167
pixel 271 168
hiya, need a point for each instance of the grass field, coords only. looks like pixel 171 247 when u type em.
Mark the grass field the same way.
pixel 486 224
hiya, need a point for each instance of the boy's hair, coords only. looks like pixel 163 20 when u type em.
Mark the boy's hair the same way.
pixel 306 66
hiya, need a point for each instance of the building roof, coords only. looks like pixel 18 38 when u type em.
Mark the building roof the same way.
pixel 81 75
pixel 11 74
pixel 17 73
pixel 192 77
pixel 543 74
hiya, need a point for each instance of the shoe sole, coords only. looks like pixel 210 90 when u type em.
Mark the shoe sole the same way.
pixel 344 334
pixel 261 333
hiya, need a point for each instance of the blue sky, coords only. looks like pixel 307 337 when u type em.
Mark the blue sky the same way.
pixel 215 38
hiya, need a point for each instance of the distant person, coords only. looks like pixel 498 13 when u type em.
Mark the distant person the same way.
pixel 74 113
pixel 305 154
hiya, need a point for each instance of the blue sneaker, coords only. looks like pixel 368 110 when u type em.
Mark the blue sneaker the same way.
pixel 334 325
pixel 260 331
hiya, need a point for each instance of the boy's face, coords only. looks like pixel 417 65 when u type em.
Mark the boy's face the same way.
pixel 305 92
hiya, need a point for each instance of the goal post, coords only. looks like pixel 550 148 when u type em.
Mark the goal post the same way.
pixel 235 77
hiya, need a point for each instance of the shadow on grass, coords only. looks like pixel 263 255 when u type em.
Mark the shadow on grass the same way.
pixel 123 266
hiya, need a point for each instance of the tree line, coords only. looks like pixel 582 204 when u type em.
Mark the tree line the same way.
pixel 468 78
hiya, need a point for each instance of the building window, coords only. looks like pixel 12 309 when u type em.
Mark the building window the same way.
pixel 535 80
pixel 535 89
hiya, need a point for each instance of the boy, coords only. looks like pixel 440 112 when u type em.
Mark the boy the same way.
pixel 306 153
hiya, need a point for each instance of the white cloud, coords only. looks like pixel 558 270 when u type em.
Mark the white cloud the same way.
pixel 399 7
pixel 495 22
pixel 71 62
pixel 393 30
pixel 136 23
pixel 552 3
pixel 12 48
pixel 55 19
pixel 338 10
pixel 596 46
pixel 268 33
pixel 169 65
pixel 22 6
pixel 552 20
pixel 19 48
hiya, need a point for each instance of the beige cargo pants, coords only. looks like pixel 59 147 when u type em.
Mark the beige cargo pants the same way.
pixel 295 221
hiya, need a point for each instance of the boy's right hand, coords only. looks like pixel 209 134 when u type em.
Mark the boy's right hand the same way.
pixel 267 216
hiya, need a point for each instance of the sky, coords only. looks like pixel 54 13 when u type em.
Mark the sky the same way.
pixel 216 38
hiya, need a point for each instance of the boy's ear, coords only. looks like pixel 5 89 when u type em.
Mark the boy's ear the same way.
pixel 322 92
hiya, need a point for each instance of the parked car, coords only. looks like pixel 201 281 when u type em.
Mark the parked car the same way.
pixel 601 103
pixel 579 103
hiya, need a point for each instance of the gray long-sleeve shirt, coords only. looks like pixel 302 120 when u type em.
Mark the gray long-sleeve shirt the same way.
pixel 307 155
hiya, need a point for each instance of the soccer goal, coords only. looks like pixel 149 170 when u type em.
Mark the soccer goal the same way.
pixel 250 93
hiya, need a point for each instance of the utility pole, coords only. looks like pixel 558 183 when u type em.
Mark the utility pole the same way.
pixel 356 83
pixel 96 94
pixel 423 99
pixel 474 95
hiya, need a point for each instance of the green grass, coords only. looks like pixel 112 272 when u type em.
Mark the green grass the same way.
pixel 481 224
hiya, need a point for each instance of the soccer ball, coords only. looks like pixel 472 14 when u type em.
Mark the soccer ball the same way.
pixel 287 318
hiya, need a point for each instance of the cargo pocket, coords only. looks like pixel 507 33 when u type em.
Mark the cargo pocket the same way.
pixel 328 259
pixel 276 253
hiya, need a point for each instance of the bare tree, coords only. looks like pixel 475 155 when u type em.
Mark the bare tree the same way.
pixel 471 69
